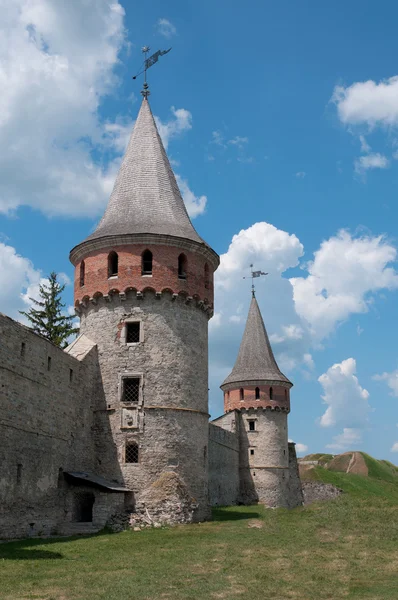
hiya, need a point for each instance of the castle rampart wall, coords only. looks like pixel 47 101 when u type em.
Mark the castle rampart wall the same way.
pixel 46 413
pixel 224 483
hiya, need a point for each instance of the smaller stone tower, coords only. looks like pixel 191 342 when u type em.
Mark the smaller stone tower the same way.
pixel 261 393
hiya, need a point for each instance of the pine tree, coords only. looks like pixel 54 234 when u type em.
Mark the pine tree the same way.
pixel 47 318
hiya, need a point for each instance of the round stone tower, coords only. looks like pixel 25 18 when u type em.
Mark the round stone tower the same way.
pixel 144 293
pixel 261 393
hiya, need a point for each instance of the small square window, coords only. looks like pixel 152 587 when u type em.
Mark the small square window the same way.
pixel 251 452
pixel 132 333
pixel 131 453
pixel 252 426
pixel 131 390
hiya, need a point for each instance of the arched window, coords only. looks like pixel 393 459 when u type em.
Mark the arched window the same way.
pixel 257 393
pixel 207 280
pixel 182 266
pixel 271 393
pixel 113 264
pixel 242 394
pixel 146 263
pixel 82 273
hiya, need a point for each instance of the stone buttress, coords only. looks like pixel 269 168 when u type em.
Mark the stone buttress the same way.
pixel 259 393
pixel 144 293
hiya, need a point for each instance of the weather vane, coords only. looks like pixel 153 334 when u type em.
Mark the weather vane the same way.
pixel 148 62
pixel 253 275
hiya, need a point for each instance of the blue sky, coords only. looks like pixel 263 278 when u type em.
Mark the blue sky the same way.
pixel 281 120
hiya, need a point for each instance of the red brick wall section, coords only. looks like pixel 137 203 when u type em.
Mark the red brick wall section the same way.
pixel 164 273
pixel 232 399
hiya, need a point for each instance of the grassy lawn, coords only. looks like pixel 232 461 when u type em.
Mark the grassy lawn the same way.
pixel 346 548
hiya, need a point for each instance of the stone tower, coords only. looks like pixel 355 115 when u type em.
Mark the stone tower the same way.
pixel 261 393
pixel 144 292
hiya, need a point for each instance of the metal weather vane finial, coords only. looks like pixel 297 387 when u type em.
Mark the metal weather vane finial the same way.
pixel 148 62
pixel 253 275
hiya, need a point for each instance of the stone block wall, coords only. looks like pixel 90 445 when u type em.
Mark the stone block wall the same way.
pixel 46 416
pixel 224 477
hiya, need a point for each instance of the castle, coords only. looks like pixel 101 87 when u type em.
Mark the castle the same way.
pixel 96 430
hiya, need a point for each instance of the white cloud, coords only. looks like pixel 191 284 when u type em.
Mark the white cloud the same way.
pixel 57 62
pixel 347 401
pixel 181 122
pixel 218 138
pixel 371 161
pixel 19 280
pixel 364 144
pixel 344 274
pixel 300 174
pixel 391 379
pixel 166 28
pixel 308 361
pixel 394 447
pixel 196 205
pixel 238 141
pixel 350 437
pixel 300 448
pixel 368 103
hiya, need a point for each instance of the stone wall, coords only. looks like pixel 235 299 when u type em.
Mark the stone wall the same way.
pixel 46 417
pixel 295 488
pixel 264 457
pixel 170 420
pixel 224 483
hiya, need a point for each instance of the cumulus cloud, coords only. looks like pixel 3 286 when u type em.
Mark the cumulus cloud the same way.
pixel 300 448
pixel 341 279
pixel 368 103
pixel 181 122
pixel 371 161
pixel 19 280
pixel 57 62
pixel 347 401
pixel 166 28
pixel 394 447
pixel 350 437
pixel 391 380
pixel 196 205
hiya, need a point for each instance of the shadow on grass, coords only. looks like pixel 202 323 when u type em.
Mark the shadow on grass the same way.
pixel 225 513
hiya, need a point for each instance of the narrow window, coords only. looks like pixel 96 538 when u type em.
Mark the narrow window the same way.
pixel 242 394
pixel 23 349
pixel 19 474
pixel 48 363
pixel 131 453
pixel 132 333
pixel 251 452
pixel 113 264
pixel 182 266
pixel 70 375
pixel 146 263
pixel 207 280
pixel 257 393
pixel 285 394
pixel 82 273
pixel 271 393
pixel 131 390
pixel 252 426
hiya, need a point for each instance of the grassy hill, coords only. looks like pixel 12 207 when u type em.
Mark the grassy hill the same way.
pixel 345 548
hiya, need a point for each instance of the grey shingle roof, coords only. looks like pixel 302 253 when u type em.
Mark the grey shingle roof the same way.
pixel 145 197
pixel 255 360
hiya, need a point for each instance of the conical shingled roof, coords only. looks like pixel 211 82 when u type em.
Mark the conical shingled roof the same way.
pixel 145 197
pixel 256 361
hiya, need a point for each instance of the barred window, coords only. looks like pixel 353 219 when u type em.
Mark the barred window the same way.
pixel 132 333
pixel 131 452
pixel 131 390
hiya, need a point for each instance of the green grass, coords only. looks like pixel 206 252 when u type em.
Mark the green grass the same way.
pixel 381 469
pixel 345 548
